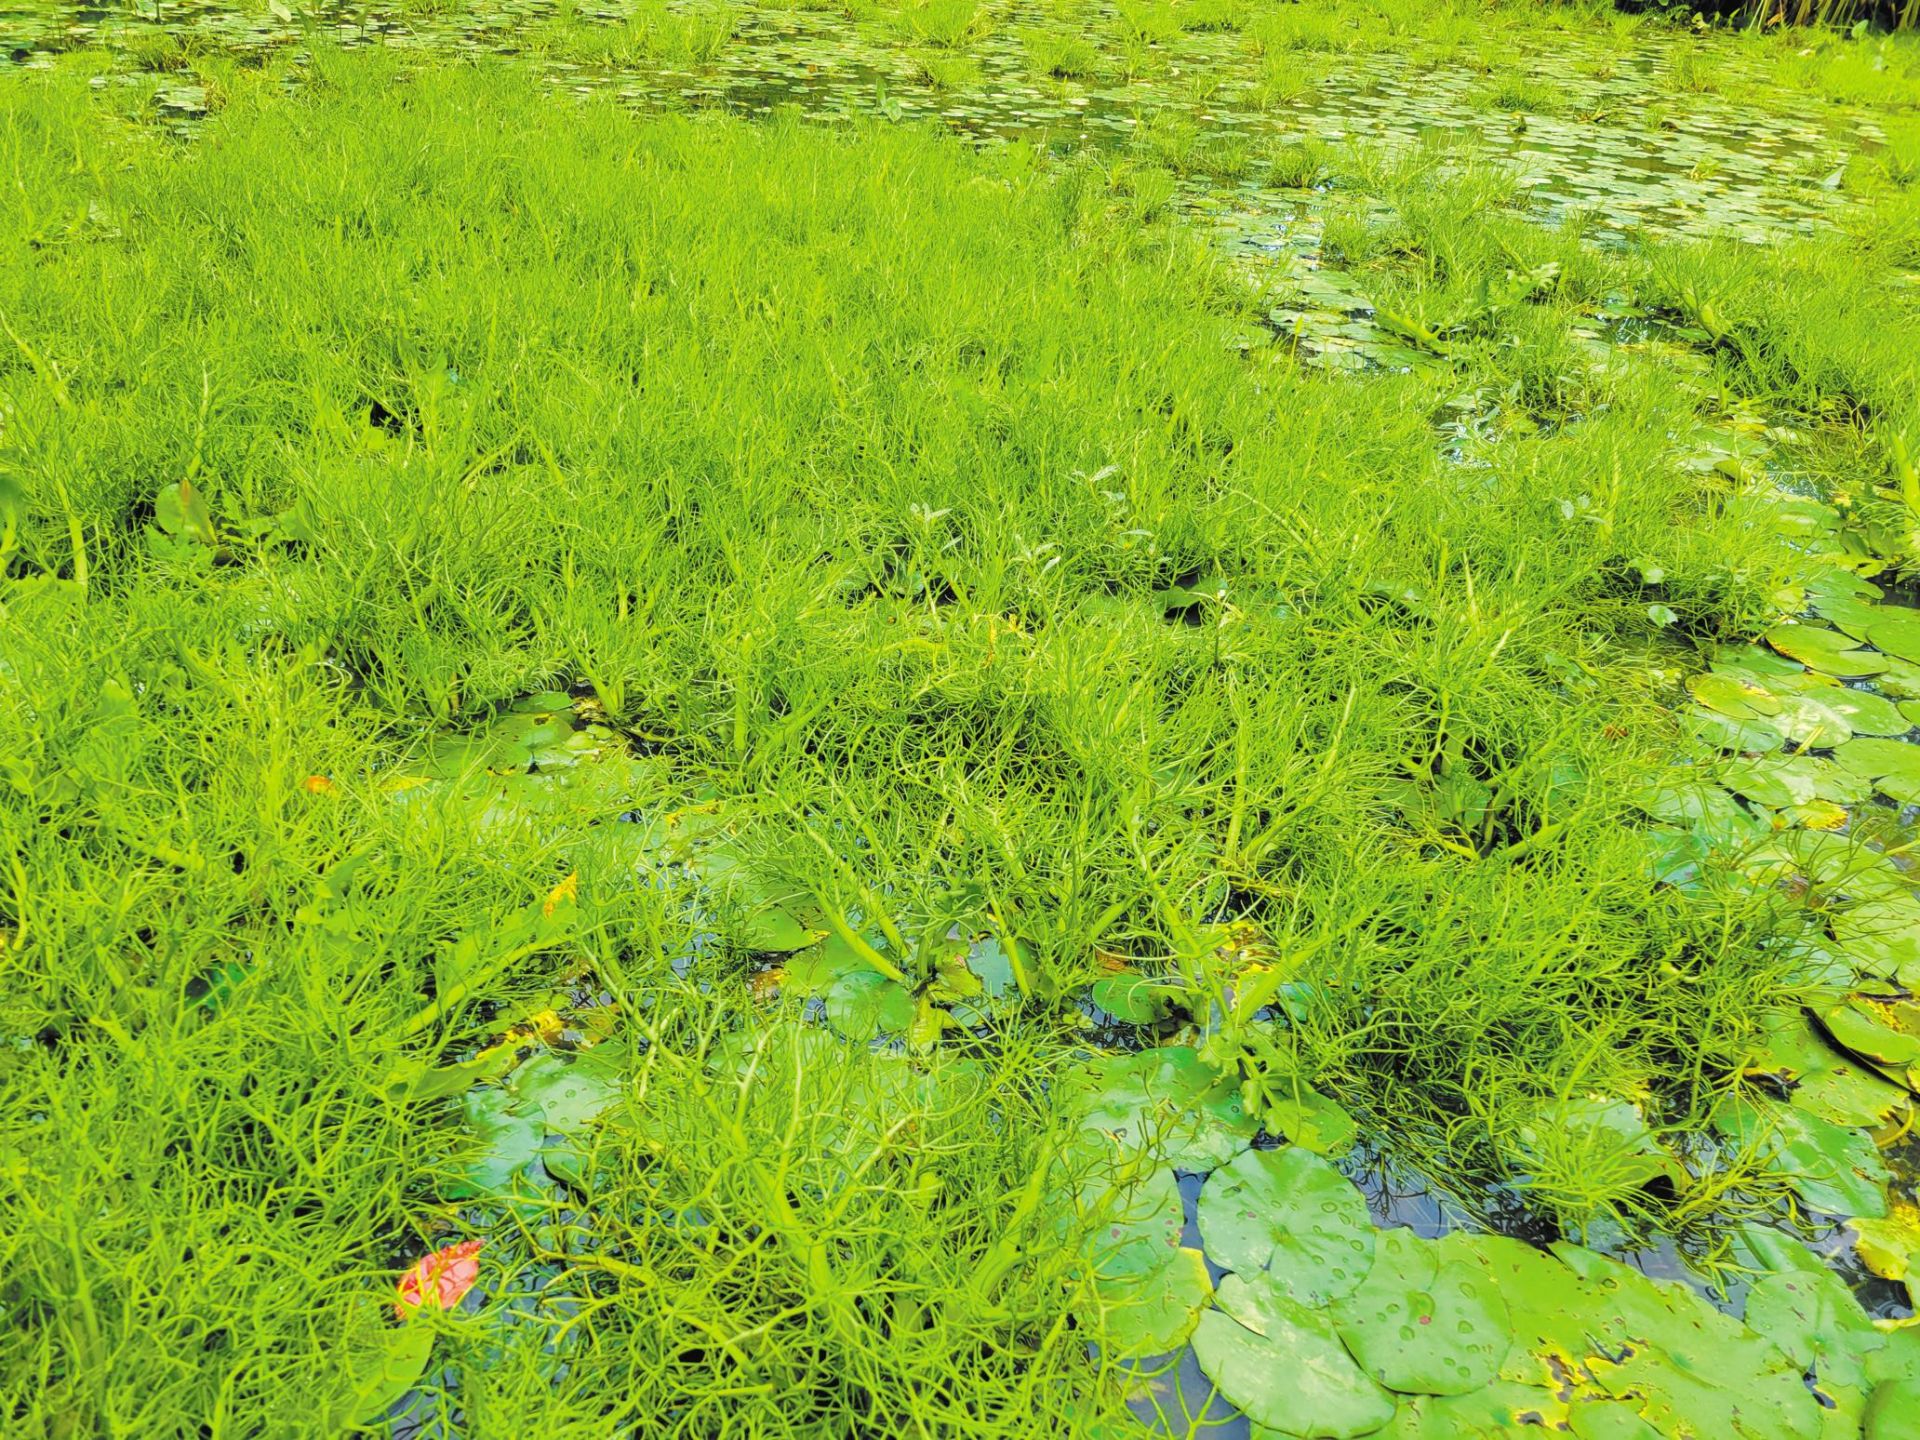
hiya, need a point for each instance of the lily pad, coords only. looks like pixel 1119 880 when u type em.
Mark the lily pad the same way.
pixel 1284 1366
pixel 1154 1312
pixel 1889 1246
pixel 1892 765
pixel 1898 633
pixel 510 1129
pixel 1831 652
pixel 1887 1033
pixel 1893 1411
pixel 1817 1321
pixel 1310 1119
pixel 1167 1102
pixel 569 1092
pixel 1735 697
pixel 1835 1169
pixel 1847 601
pixel 1420 1325
pixel 1291 1210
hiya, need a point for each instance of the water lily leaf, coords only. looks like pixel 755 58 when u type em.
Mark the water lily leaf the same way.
pixel 1764 782
pixel 1292 1210
pixel 1421 1325
pixel 1493 1412
pixel 1898 633
pixel 1310 1119
pixel 1816 815
pixel 1697 1371
pixel 509 1129
pixel 1705 809
pixel 1888 1033
pixel 1284 1366
pixel 1725 733
pixel 386 1362
pixel 1609 1137
pixel 1167 1102
pixel 1893 1411
pixel 1835 1169
pixel 1817 1321
pixel 1831 652
pixel 1847 601
pixel 1735 697
pixel 1889 1245
pixel 569 1092
pixel 1849 1094
pixel 1867 713
pixel 1892 765
pixel 1137 999
pixel 1788 1046
pixel 774 930
pixel 1152 1313
pixel 1810 721
pixel 864 1003
pixel 546 702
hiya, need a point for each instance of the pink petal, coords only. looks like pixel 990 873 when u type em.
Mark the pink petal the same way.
pixel 441 1278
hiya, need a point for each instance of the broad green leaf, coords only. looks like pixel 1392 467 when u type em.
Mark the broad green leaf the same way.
pixel 1292 1210
pixel 1835 1169
pixel 1167 1102
pixel 1283 1365
pixel 1831 652
pixel 1898 633
pixel 1421 1325
pixel 386 1362
pixel 1892 765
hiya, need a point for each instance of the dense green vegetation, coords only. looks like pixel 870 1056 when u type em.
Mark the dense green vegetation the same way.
pixel 785 722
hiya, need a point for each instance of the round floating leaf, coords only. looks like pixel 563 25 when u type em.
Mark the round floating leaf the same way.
pixel 510 1130
pixel 1817 1321
pixel 1283 1365
pixel 1810 722
pixel 1700 1372
pixel 1847 601
pixel 1615 1420
pixel 864 1003
pixel 1892 765
pixel 1421 1325
pixel 1831 652
pixel 1293 1210
pixel 1850 1094
pixel 1893 1411
pixel 1494 1412
pixel 1867 713
pixel 1137 999
pixel 1152 1313
pixel 569 1093
pixel 1730 734
pixel 1889 1034
pixel 1310 1119
pixel 1898 633
pixel 1835 1169
pixel 380 1364
pixel 1167 1101
pixel 1735 697
pixel 1763 782
pixel 1890 1245
pixel 774 930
